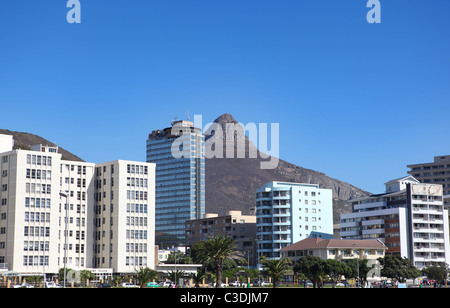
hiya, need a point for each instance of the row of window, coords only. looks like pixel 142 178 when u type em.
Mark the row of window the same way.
pixel 36 231
pixel 80 169
pixel 137 182
pixel 137 221
pixel 35 260
pixel 36 245
pixel 38 174
pixel 136 247
pixel 37 202
pixel 137 195
pixel 136 261
pixel 137 208
pixel 138 169
pixel 37 217
pixel 39 160
pixel 136 234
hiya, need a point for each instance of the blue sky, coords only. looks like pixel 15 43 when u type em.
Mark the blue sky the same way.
pixel 354 100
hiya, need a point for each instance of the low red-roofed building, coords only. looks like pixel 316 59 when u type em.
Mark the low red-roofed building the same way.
pixel 340 249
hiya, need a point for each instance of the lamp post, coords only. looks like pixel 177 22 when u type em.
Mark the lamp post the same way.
pixel 357 265
pixel 65 195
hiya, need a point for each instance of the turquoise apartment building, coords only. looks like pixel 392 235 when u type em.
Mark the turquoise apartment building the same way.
pixel 289 212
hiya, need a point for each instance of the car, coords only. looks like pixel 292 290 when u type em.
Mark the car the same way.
pixel 51 285
pixel 235 284
pixel 166 284
pixel 24 286
pixel 129 285
pixel 223 285
pixel 104 285
pixel 261 284
pixel 152 285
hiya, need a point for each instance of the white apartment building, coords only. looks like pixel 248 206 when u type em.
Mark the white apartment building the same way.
pixel 125 220
pixel 30 230
pixel 55 212
pixel 409 218
pixel 76 180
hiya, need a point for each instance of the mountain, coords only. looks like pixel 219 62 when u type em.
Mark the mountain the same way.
pixel 26 140
pixel 231 183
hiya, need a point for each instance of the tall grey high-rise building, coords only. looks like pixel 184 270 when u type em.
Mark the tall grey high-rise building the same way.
pixel 178 152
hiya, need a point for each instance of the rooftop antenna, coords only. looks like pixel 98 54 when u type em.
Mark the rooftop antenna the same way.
pixel 188 115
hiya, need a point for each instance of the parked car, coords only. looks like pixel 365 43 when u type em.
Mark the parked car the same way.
pixel 129 285
pixel 23 285
pixel 235 284
pixel 166 284
pixel 51 285
pixel 104 285
pixel 262 284
pixel 152 285
pixel 223 285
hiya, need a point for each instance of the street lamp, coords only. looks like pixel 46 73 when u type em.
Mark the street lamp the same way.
pixel 65 195
pixel 357 264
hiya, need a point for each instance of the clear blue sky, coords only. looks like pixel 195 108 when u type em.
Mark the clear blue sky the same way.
pixel 354 100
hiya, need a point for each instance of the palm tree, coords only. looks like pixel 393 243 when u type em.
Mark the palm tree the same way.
pixel 277 268
pixel 218 249
pixel 198 277
pixel 144 275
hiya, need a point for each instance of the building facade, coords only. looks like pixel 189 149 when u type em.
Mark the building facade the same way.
pixel 178 152
pixel 409 218
pixel 30 212
pixel 241 228
pixel 57 213
pixel 338 249
pixel 437 172
pixel 289 212
pixel 125 215
pixel 76 214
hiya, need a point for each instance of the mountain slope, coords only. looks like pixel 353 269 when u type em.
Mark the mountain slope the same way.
pixel 26 140
pixel 231 183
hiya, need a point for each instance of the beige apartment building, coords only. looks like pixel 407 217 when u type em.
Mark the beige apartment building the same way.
pixel 242 228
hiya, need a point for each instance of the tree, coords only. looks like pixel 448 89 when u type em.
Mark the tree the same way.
pixel 302 278
pixel 335 269
pixel 394 266
pixel 177 257
pixel 176 275
pixel 277 268
pixel 358 269
pixel 117 280
pixel 85 275
pixel 198 277
pixel 436 271
pixel 217 249
pixel 312 267
pixel 144 275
